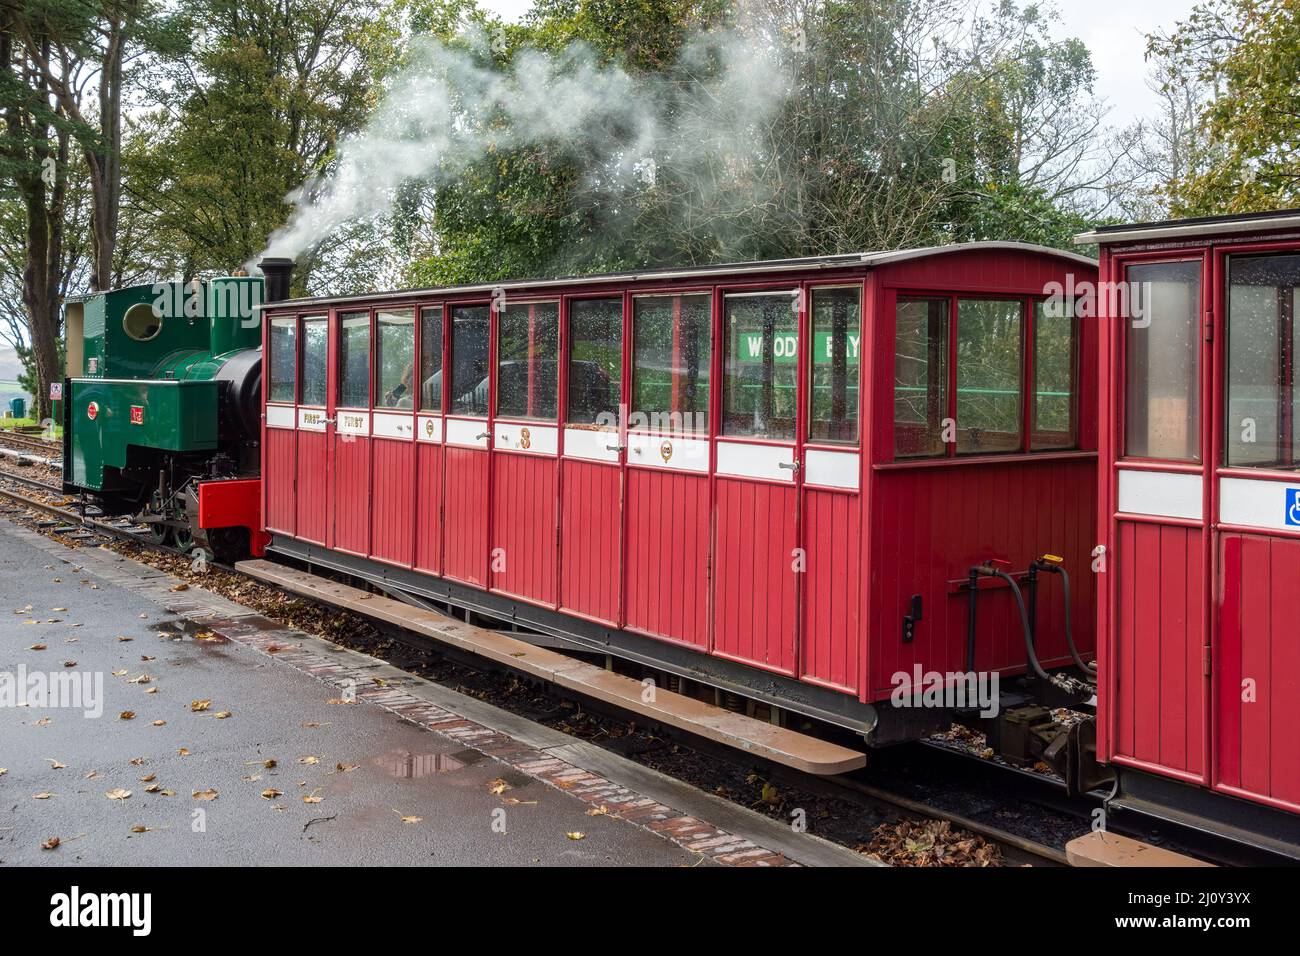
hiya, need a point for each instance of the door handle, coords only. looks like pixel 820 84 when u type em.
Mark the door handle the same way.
pixel 788 465
pixel 329 421
pixel 482 435
pixel 616 448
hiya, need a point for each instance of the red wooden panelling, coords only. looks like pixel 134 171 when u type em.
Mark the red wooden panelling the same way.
pixel 352 494
pixel 1257 747
pixel 311 492
pixel 831 610
pixel 279 475
pixel 524 533
pixel 465 516
pixel 1159 699
pixel 591 521
pixel 428 508
pixel 929 525
pixel 755 594
pixel 667 554
pixel 392 532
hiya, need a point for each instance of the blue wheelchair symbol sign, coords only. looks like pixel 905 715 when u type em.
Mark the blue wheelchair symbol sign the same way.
pixel 1293 506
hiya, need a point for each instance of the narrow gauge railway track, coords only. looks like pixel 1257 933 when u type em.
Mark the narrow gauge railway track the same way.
pixel 27 443
pixel 93 525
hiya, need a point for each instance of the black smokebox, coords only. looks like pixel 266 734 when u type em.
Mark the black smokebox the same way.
pixel 277 273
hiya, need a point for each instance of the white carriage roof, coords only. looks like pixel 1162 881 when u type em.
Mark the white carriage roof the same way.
pixel 810 263
pixel 1188 228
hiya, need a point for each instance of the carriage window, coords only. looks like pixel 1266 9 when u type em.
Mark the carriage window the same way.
pixel 354 360
pixel 315 351
pixel 528 361
pixel 1263 416
pixel 836 340
pixel 761 365
pixel 284 356
pixel 595 361
pixel 1162 362
pixel 395 359
pixel 470 329
pixel 671 350
pixel 988 375
pixel 1056 372
pixel 431 359
pixel 920 376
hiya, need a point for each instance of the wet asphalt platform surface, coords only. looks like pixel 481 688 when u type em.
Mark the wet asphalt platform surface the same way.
pixel 362 769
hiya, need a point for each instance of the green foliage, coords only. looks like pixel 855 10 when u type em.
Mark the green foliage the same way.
pixel 1247 52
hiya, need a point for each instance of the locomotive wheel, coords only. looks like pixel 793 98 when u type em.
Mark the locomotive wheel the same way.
pixel 181 538
pixel 155 533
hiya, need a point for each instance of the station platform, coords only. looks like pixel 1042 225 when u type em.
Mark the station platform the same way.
pixel 245 743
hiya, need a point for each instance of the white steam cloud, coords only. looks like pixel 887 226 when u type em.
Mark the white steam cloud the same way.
pixel 451 107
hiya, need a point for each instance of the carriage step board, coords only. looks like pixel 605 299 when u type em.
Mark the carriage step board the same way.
pixel 1100 848
pixel 777 744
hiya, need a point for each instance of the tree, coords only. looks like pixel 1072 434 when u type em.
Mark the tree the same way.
pixel 1244 55
pixel 40 199
pixel 249 112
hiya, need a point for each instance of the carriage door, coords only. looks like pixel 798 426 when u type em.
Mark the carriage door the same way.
pixel 1161 553
pixel 467 430
pixel 524 530
pixel 279 462
pixel 349 472
pixel 757 548
pixel 591 482
pixel 392 530
pixel 311 493
pixel 831 514
pixel 1257 652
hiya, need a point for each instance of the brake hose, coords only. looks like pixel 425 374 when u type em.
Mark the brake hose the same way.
pixel 1024 621
pixel 1088 667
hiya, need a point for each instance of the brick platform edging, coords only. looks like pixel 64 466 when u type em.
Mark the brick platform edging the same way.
pixel 622 803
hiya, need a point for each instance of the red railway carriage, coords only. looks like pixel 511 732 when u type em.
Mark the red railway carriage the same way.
pixel 769 478
pixel 1199 615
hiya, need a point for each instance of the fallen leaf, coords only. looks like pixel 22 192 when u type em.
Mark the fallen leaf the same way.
pixel 271 793
pixel 339 700
pixel 93 775
pixel 199 705
pixel 498 787
pixel 599 811
pixel 152 690
pixel 222 714
pixel 148 778
pixel 183 752
pixel 142 679
pixel 43 795
pixel 50 844
pixel 576 835
pixel 117 793
pixel 139 829
pixel 208 794
pixel 309 760
pixel 122 638
pixel 146 657
pixel 136 761
pixel 54 764
pixel 37 647
pixel 127 715
pixel 182 586
pixel 312 798
pixel 152 788
pixel 344 767
pixel 44 722
pixel 159 723
pixel 408 819
pixel 69 663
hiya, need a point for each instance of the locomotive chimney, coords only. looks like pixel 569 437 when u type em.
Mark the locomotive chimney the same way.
pixel 277 273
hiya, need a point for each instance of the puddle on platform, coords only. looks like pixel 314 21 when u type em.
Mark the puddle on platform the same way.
pixel 183 629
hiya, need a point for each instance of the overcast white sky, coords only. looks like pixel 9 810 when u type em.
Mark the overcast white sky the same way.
pixel 1114 31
